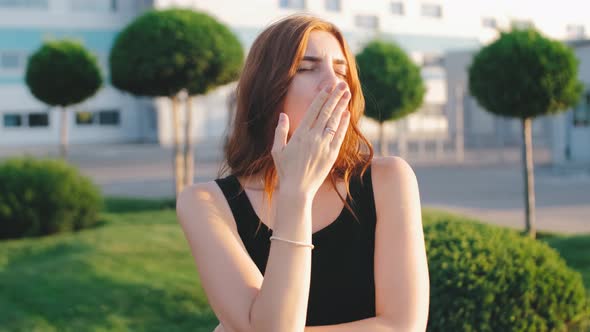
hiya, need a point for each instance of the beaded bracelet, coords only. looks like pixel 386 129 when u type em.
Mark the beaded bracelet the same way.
pixel 294 242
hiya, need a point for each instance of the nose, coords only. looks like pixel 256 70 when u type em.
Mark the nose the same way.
pixel 329 78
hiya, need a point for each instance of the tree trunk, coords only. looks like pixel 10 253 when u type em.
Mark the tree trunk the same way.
pixel 177 156
pixel 382 141
pixel 401 138
pixel 63 144
pixel 529 177
pixel 189 158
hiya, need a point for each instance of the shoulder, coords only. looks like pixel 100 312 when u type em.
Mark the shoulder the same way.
pixel 205 199
pixel 197 193
pixel 390 170
pixel 395 186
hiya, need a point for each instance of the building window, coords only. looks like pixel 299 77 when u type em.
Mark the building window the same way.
pixel 397 8
pixel 38 119
pixel 13 120
pixel 366 21
pixel 489 22
pixel 333 5
pixel 103 6
pixel 84 118
pixel 582 112
pixel 24 4
pixel 10 60
pixel 576 31
pixel 432 60
pixel 521 24
pixel 109 118
pixel 292 4
pixel 431 10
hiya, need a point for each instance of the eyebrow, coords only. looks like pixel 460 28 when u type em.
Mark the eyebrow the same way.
pixel 316 59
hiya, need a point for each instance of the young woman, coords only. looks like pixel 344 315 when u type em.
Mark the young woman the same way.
pixel 308 232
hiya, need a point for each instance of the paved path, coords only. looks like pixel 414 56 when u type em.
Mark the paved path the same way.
pixel 481 187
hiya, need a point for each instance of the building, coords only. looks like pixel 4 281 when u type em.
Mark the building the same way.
pixel 566 135
pixel 571 130
pixel 427 30
pixel 109 116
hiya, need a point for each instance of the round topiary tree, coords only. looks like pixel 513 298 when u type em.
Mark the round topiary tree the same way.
pixel 187 50
pixel 392 85
pixel 63 73
pixel 524 75
pixel 224 68
pixel 487 278
pixel 40 197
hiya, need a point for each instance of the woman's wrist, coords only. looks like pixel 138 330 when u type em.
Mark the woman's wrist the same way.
pixel 295 195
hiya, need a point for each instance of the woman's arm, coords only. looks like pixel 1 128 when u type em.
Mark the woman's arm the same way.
pixel 238 294
pixel 401 270
pixel 281 304
pixel 402 286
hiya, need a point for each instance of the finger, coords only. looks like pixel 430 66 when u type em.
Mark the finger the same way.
pixel 340 132
pixel 334 120
pixel 328 108
pixel 314 109
pixel 281 132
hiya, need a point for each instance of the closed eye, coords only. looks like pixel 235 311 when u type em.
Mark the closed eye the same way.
pixel 341 74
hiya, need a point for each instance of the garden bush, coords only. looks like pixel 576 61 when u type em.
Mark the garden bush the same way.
pixel 41 197
pixel 486 278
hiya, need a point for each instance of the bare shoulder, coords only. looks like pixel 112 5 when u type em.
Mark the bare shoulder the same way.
pixel 395 189
pixel 228 275
pixel 391 169
pixel 206 198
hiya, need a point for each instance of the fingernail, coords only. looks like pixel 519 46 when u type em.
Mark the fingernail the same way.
pixel 341 85
pixel 346 94
pixel 282 117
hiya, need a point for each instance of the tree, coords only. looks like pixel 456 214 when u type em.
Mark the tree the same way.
pixel 63 73
pixel 185 53
pixel 224 68
pixel 524 75
pixel 391 83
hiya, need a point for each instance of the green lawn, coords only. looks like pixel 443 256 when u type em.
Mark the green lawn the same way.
pixel 133 273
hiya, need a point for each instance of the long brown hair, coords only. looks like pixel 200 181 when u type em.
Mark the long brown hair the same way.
pixel 269 68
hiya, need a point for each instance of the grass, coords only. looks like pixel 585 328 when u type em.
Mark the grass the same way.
pixel 133 273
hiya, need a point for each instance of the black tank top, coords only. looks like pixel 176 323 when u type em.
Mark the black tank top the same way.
pixel 342 287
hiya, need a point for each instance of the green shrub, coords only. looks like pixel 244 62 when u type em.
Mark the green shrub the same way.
pixel 485 278
pixel 40 197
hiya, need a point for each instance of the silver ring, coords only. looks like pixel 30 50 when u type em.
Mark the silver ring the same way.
pixel 330 130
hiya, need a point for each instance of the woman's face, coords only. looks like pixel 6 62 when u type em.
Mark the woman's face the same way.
pixel 323 64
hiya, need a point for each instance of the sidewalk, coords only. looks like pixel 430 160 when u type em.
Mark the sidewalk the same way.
pixel 483 186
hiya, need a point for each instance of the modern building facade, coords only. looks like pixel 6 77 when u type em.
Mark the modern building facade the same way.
pixel 109 116
pixel 427 30
pixel 571 130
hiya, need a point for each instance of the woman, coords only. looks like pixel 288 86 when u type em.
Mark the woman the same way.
pixel 309 232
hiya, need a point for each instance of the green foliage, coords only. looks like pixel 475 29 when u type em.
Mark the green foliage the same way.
pixel 135 273
pixel 126 204
pixel 524 74
pixel 225 66
pixel 62 73
pixel 485 278
pixel 187 49
pixel 121 275
pixel 40 197
pixel 391 82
